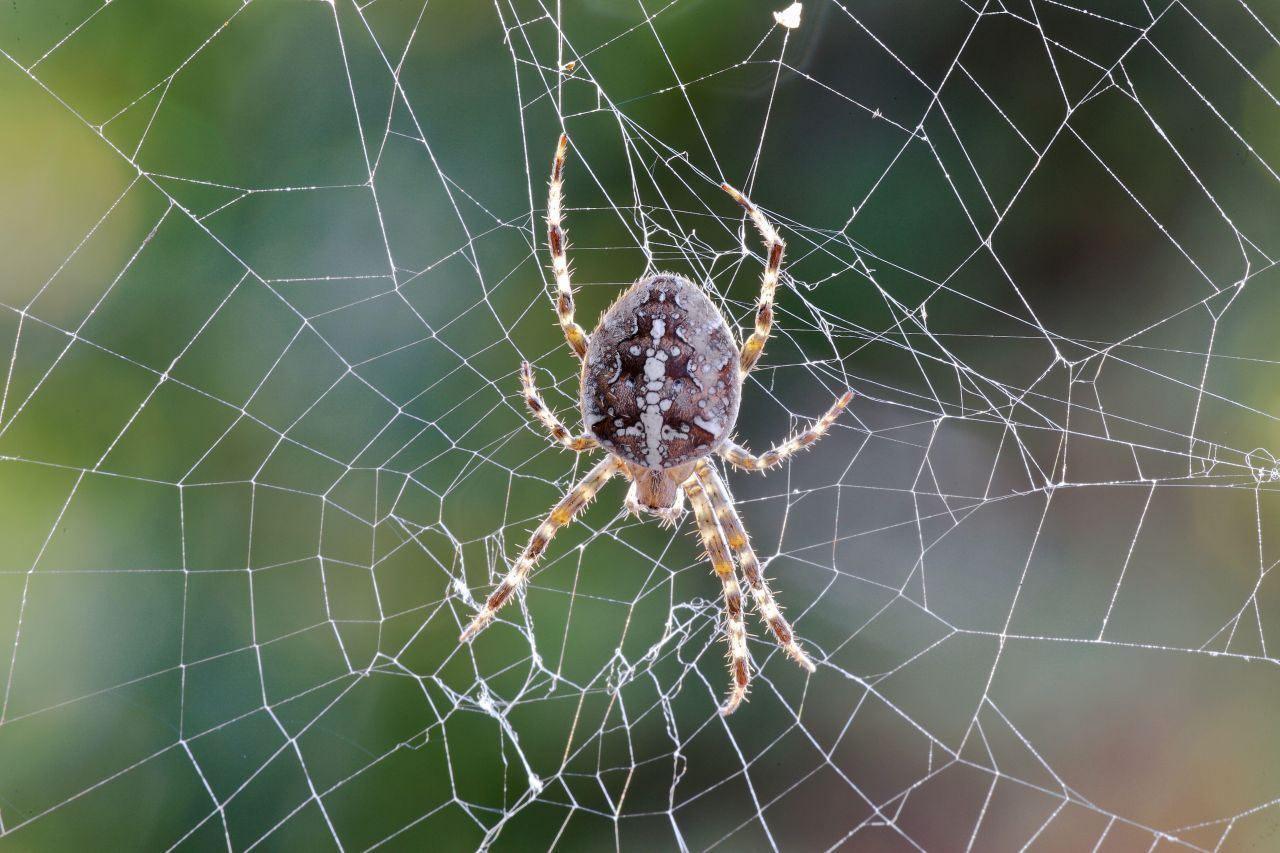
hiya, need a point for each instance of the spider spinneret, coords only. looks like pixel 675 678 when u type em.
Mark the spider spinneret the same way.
pixel 660 387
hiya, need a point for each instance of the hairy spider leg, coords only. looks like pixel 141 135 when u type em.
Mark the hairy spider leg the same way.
pixel 774 247
pixel 573 502
pixel 736 533
pixel 548 418
pixel 717 548
pixel 573 333
pixel 737 455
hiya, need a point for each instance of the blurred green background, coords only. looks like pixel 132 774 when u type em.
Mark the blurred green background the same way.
pixel 267 273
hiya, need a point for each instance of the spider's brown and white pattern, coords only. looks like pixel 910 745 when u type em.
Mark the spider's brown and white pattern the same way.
pixel 661 382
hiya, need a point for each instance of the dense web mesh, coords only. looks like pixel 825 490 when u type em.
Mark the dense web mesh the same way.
pixel 269 272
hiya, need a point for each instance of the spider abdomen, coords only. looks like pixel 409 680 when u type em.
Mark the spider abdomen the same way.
pixel 661 381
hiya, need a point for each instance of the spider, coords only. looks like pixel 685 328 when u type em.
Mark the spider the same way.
pixel 661 382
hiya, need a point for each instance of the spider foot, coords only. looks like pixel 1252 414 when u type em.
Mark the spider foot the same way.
pixel 797 654
pixel 738 197
pixel 477 625
pixel 732 701
pixel 738 689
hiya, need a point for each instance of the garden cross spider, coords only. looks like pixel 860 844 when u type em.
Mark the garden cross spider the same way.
pixel 661 382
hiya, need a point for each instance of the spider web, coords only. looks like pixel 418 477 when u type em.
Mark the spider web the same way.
pixel 270 270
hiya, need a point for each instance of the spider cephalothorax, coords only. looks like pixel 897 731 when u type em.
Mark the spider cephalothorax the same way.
pixel 661 382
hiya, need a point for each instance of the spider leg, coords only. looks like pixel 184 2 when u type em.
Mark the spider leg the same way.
pixel 766 605
pixel 577 498
pixel 573 333
pixel 737 455
pixel 774 247
pixel 735 629
pixel 553 425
